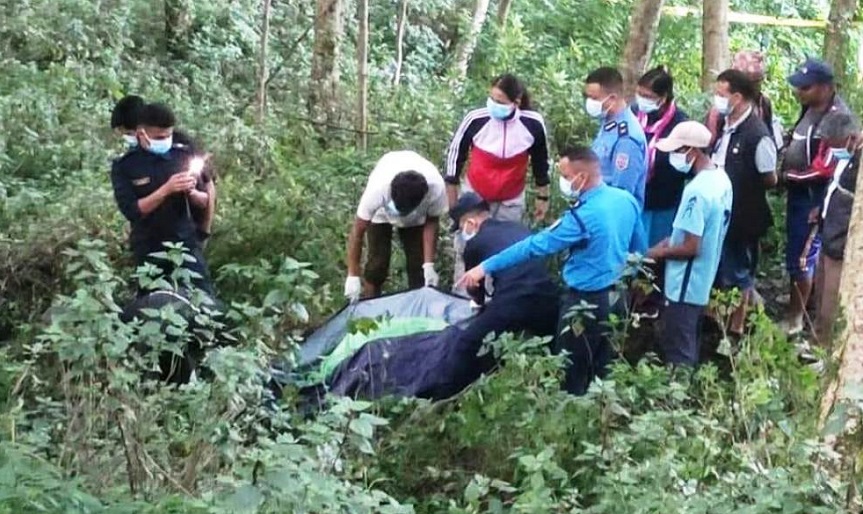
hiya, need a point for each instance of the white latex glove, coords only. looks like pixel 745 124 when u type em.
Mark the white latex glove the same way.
pixel 475 307
pixel 353 288
pixel 430 275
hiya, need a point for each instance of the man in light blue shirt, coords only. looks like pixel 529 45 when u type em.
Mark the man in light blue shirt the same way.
pixel 598 232
pixel 693 251
pixel 620 144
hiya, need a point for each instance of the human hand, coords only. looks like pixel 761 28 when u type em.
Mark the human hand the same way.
pixel 472 278
pixel 430 275
pixel 353 288
pixel 815 216
pixel 658 251
pixel 540 209
pixel 180 183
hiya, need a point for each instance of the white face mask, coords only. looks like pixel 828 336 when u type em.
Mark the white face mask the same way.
pixel 566 189
pixel 594 107
pixel 646 105
pixel 722 105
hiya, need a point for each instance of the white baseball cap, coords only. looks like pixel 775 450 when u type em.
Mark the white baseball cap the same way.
pixel 689 133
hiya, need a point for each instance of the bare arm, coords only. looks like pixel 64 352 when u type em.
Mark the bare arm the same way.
pixel 150 203
pixel 770 179
pixel 355 246
pixel 451 194
pixel 430 239
pixel 688 250
pixel 199 199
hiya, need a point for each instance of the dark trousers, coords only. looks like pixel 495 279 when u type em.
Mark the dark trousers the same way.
pixel 537 315
pixel 588 340
pixel 142 255
pixel 380 237
pixel 680 342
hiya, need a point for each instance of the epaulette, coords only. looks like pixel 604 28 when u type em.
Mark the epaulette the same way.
pixel 622 129
pixel 123 157
pixel 609 126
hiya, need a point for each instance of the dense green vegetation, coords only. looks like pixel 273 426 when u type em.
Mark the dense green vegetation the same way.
pixel 81 432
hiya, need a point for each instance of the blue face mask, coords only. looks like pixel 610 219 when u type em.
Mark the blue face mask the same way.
pixel 467 236
pixel 678 161
pixel 646 105
pixel 130 140
pixel 391 209
pixel 161 146
pixel 841 154
pixel 498 111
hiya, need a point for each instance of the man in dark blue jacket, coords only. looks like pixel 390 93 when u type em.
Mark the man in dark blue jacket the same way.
pixel 521 298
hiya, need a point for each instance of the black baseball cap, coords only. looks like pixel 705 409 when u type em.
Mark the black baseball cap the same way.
pixel 811 72
pixel 466 203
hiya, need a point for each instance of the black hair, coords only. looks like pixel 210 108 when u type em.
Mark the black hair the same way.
pixel 513 88
pixel 157 115
pixel 659 81
pixel 126 112
pixel 609 78
pixel 739 82
pixel 579 153
pixel 408 189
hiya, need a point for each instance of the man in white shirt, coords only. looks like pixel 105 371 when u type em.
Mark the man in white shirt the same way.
pixel 407 192
pixel 747 152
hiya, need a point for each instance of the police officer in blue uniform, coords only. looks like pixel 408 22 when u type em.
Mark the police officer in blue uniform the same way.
pixel 155 189
pixel 620 144
pixel 598 232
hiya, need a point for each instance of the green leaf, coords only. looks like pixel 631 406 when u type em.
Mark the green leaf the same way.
pixel 246 499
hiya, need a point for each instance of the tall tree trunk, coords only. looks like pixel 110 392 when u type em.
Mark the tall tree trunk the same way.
pixel 850 343
pixel 643 25
pixel 400 41
pixel 263 71
pixel 178 21
pixel 838 36
pixel 323 97
pixel 362 74
pixel 466 45
pixel 714 34
pixel 503 11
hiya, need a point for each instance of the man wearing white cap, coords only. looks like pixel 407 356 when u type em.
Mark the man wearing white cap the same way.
pixel 692 252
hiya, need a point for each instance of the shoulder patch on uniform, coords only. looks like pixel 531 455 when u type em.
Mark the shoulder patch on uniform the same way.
pixel 610 125
pixel 622 129
pixel 690 204
pixel 621 161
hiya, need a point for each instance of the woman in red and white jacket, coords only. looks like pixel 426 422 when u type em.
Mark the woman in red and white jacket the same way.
pixel 497 142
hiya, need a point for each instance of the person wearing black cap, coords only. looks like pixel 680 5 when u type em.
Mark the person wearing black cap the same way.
pixel 807 167
pixel 521 298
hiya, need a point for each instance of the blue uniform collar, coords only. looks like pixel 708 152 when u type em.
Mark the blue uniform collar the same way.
pixel 591 192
